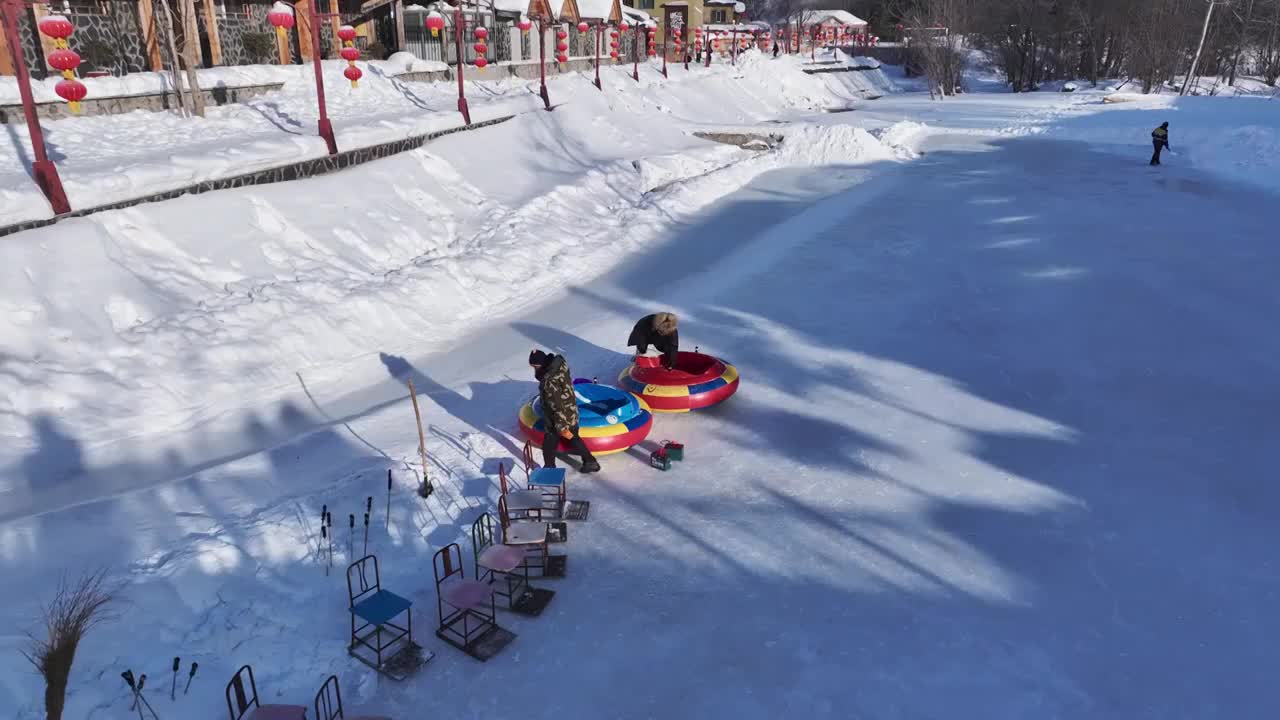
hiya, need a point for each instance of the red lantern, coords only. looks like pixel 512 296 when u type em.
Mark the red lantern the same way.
pixel 64 60
pixel 481 32
pixel 613 54
pixel 281 17
pixel 562 58
pixel 652 52
pixel 73 91
pixel 524 24
pixel 481 62
pixel 583 27
pixel 677 32
pixel 562 34
pixel 562 47
pixel 613 34
pixel 481 48
pixel 347 35
pixel 56 27
pixel 435 23
pixel 624 26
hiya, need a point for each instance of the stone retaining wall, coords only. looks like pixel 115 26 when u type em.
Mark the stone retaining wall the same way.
pixel 116 105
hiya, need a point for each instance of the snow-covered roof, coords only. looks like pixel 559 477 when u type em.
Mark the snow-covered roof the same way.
pixel 511 6
pixel 596 9
pixel 841 17
pixel 638 17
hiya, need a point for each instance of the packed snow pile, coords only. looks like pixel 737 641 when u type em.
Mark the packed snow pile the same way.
pixel 105 159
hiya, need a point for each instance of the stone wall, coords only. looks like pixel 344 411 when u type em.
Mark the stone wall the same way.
pixel 110 40
pixel 55 110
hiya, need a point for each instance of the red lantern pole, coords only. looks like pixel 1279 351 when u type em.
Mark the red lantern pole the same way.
pixel 325 127
pixel 635 71
pixel 542 65
pixel 43 169
pixel 598 40
pixel 459 27
pixel 665 32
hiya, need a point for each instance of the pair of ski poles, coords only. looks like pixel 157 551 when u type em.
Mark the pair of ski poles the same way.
pixel 137 686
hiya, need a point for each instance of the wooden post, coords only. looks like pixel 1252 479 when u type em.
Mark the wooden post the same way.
pixel 211 29
pixel 335 24
pixel 6 60
pixel 150 43
pixel 400 41
pixel 302 16
pixel 191 54
pixel 422 441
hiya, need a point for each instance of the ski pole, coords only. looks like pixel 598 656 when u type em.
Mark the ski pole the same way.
pixel 142 680
pixel 328 522
pixel 190 676
pixel 324 536
pixel 351 537
pixel 366 534
pixel 173 687
pixel 388 499
pixel 133 689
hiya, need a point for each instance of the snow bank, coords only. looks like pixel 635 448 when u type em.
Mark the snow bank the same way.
pixel 105 159
pixel 174 317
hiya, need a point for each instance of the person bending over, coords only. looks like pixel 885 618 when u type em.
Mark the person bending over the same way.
pixel 658 330
pixel 559 410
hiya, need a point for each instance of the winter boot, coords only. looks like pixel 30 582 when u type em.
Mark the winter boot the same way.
pixel 589 465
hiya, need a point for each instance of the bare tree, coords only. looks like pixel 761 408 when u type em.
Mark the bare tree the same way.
pixel 936 30
pixel 75 609
pixel 191 53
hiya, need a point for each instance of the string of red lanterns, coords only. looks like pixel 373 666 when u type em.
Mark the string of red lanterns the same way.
pixel 481 47
pixel 65 60
pixel 653 48
pixel 562 47
pixel 350 53
pixel 613 42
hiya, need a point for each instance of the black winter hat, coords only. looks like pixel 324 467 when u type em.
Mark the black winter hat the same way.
pixel 538 358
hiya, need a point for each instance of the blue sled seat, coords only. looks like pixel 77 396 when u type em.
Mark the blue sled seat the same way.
pixel 381 607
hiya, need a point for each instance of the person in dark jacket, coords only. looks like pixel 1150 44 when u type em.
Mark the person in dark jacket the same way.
pixel 559 410
pixel 1160 139
pixel 658 330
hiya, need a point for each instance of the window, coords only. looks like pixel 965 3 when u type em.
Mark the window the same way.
pixel 646 4
pixel 718 17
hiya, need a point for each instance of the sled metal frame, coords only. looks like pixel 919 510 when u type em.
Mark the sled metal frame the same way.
pixel 481 637
pixel 246 702
pixel 376 608
pixel 520 595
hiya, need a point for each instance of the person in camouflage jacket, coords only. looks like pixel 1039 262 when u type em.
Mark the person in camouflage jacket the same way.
pixel 559 410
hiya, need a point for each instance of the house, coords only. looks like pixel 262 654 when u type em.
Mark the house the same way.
pixel 689 14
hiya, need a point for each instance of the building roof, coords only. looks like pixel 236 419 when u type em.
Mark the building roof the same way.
pixel 638 17
pixel 599 9
pixel 511 6
pixel 843 17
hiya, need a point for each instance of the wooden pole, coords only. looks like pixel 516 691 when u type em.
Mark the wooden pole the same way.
pixel 335 24
pixel 211 29
pixel 6 60
pixel 191 54
pixel 422 440
pixel 166 30
pixel 302 14
pixel 150 43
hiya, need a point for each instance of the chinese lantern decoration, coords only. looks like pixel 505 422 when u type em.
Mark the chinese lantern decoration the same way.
pixel 435 23
pixel 350 53
pixel 653 50
pixel 624 26
pixel 562 47
pixel 583 27
pixel 524 24
pixel 281 17
pixel 64 60
pixel 481 48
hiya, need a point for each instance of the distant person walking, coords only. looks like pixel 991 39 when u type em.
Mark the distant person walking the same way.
pixel 1160 139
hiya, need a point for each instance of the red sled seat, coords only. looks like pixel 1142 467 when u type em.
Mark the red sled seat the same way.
pixel 242 702
pixel 329 704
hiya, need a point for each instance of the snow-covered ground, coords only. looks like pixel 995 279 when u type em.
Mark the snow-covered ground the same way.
pixel 105 159
pixel 999 451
